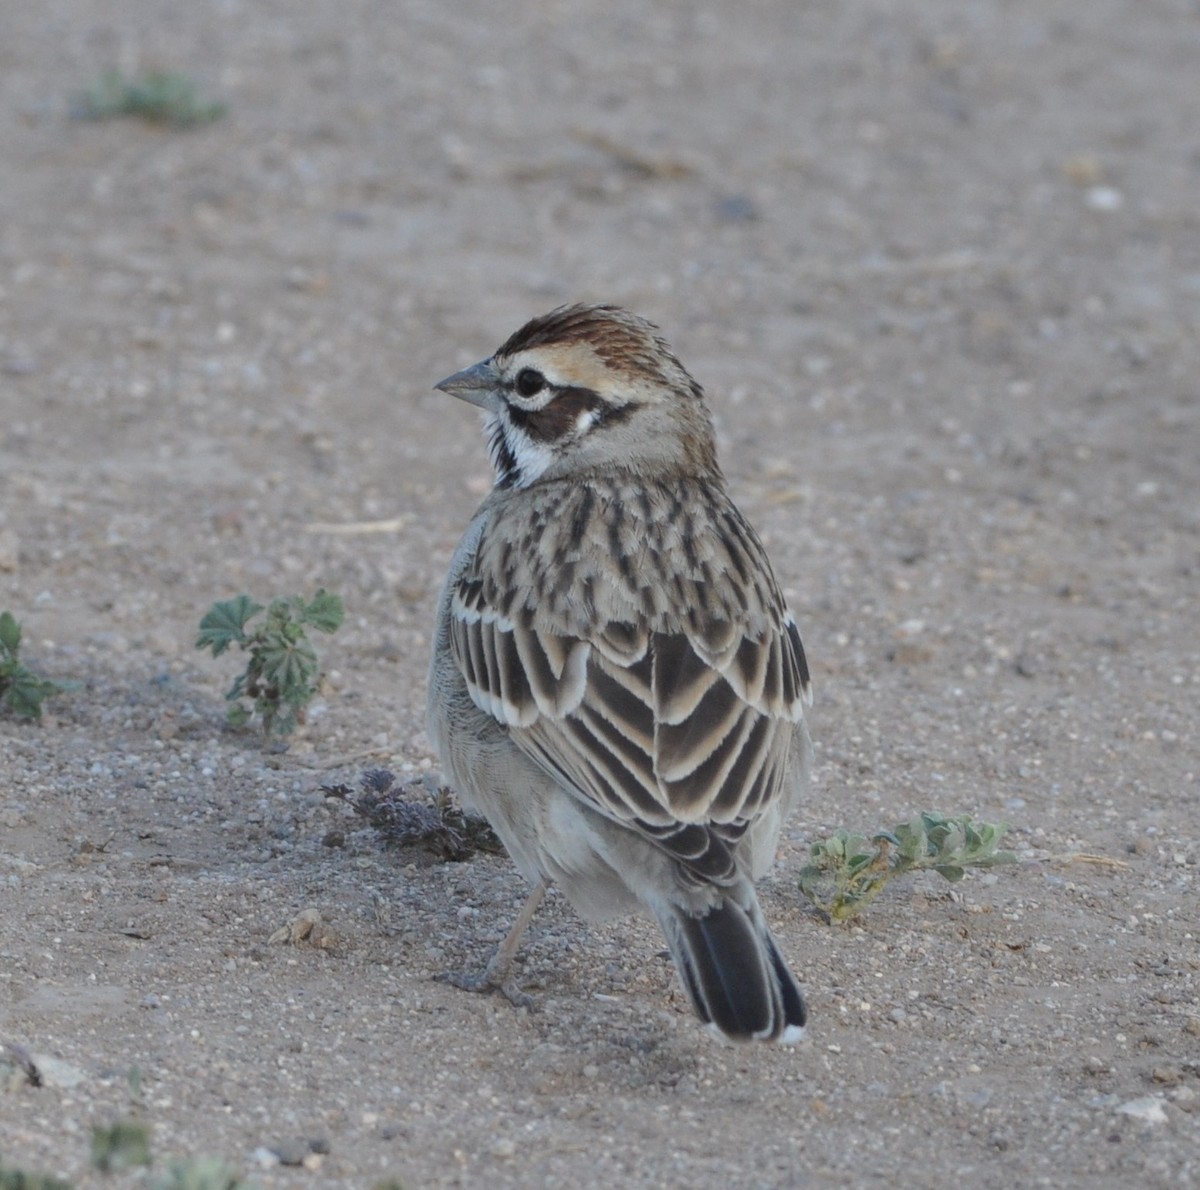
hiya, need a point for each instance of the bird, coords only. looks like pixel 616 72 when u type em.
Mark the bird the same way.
pixel 616 681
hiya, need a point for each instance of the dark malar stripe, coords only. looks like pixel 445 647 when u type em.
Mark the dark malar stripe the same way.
pixel 503 460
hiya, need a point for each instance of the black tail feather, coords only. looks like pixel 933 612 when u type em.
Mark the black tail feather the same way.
pixel 795 1011
pixel 734 974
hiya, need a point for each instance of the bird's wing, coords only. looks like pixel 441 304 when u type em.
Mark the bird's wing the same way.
pixel 676 716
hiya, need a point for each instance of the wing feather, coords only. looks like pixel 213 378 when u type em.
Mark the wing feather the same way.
pixel 681 677
pixel 681 746
pixel 668 700
pixel 628 709
pixel 693 797
pixel 555 669
pixel 520 707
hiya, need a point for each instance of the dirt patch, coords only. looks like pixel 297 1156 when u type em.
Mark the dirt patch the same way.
pixel 939 269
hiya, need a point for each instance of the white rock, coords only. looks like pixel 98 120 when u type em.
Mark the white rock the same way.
pixel 1104 198
pixel 1148 1108
pixel 57 1073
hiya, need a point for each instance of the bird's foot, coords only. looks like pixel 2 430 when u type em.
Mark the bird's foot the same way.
pixel 496 977
pixel 490 980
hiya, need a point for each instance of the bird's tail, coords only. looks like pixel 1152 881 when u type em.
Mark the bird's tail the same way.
pixel 734 974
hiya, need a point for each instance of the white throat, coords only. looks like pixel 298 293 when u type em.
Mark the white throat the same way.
pixel 516 458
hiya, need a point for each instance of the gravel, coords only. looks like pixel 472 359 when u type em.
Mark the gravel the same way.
pixel 936 266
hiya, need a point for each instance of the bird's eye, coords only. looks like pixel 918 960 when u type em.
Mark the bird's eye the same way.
pixel 530 382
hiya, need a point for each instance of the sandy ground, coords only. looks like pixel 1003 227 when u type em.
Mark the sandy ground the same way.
pixel 938 265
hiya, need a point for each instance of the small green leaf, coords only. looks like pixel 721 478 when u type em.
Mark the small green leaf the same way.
pixel 10 634
pixel 23 693
pixel 325 613
pixel 18 1179
pixel 224 624
pixel 913 843
pixel 123 1144
pixel 835 846
pixel 160 97
pixel 994 859
pixel 289 665
pixel 199 1173
pixel 237 715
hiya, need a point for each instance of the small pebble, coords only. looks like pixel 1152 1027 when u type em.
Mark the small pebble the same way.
pixel 1083 169
pixel 1103 198
pixel 737 208
pixel 1183 1097
pixel 292 1152
pixel 1149 1109
pixel 57 1073
pixel 10 550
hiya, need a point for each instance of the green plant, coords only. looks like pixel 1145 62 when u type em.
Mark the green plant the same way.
pixel 21 691
pixel 434 822
pixel 124 1143
pixel 158 96
pixel 200 1173
pixel 18 1179
pixel 847 871
pixel 281 675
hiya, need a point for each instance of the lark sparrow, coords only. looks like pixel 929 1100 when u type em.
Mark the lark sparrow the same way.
pixel 617 683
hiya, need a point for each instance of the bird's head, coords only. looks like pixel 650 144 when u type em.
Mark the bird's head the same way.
pixel 588 389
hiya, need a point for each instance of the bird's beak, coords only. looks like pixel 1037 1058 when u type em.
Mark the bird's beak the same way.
pixel 477 384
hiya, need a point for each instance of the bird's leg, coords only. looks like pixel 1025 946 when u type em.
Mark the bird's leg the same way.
pixel 496 974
